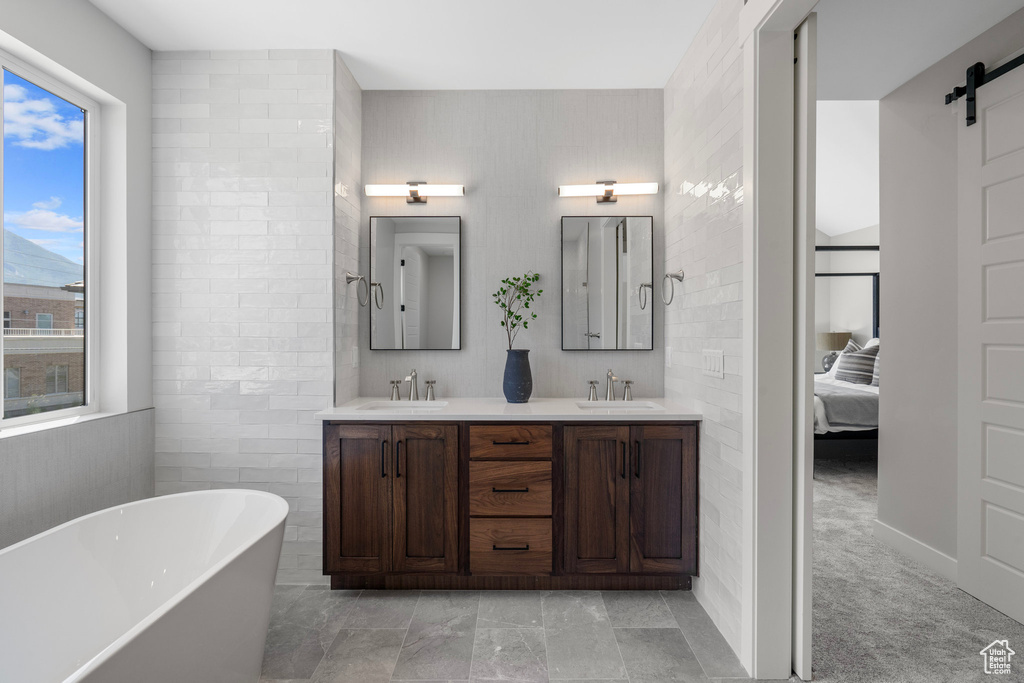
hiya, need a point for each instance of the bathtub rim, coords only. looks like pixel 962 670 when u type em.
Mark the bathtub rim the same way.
pixel 188 589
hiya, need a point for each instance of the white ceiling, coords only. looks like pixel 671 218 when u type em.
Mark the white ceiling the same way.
pixel 846 197
pixel 868 48
pixel 448 44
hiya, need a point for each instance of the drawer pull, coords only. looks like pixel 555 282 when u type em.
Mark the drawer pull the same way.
pixel 502 547
pixel 510 443
pixel 383 457
pixel 525 489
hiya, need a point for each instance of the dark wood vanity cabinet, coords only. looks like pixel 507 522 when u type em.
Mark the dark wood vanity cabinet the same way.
pixel 630 499
pixel 390 498
pixel 472 505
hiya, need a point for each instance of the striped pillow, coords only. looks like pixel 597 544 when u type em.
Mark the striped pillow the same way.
pixel 874 373
pixel 850 346
pixel 857 366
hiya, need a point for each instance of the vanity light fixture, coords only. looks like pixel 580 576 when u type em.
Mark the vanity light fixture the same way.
pixel 415 192
pixel 607 191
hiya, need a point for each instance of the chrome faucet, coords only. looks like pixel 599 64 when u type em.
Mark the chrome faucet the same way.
pixel 627 390
pixel 430 388
pixel 414 389
pixel 395 395
pixel 609 392
pixel 593 390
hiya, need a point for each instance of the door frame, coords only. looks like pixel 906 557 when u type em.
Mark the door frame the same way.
pixel 770 581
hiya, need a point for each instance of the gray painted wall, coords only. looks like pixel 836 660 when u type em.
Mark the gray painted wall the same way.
pixel 917 445
pixel 50 476
pixel 511 149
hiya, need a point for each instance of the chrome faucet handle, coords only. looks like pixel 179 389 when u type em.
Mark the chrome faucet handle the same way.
pixel 430 388
pixel 627 393
pixel 414 389
pixel 395 396
pixel 593 390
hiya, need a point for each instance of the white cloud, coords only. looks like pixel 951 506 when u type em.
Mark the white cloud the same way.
pixel 51 203
pixel 46 220
pixel 36 124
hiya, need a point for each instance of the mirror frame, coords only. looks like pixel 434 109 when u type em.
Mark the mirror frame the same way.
pixel 561 283
pixel 369 322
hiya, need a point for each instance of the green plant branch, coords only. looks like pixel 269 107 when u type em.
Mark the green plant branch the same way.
pixel 514 298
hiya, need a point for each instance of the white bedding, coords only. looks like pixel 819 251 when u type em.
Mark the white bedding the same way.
pixel 821 425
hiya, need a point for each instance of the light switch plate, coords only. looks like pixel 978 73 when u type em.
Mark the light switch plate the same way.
pixel 668 356
pixel 714 363
pixel 355 356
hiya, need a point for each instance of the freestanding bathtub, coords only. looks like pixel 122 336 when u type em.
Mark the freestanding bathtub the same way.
pixel 175 589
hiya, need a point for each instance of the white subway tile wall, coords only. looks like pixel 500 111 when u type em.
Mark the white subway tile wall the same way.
pixel 703 236
pixel 512 149
pixel 242 278
pixel 348 188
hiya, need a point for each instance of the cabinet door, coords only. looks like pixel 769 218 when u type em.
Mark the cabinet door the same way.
pixel 426 497
pixel 357 498
pixel 596 500
pixel 663 507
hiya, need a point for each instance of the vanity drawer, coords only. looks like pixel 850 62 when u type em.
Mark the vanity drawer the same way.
pixel 510 546
pixel 502 488
pixel 509 442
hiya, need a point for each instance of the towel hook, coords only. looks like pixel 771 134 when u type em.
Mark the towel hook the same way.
pixel 350 278
pixel 672 278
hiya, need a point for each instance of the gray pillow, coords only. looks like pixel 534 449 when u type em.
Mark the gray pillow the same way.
pixel 857 367
pixel 874 373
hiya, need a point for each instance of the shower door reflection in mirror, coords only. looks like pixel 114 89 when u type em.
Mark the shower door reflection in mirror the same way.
pixel 415 282
pixel 607 275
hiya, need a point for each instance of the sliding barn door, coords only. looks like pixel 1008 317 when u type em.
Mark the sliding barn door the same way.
pixel 990 539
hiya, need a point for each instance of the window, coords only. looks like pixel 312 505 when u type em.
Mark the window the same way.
pixel 47 198
pixel 57 379
pixel 12 383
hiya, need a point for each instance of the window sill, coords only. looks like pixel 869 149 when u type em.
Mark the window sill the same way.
pixel 43 425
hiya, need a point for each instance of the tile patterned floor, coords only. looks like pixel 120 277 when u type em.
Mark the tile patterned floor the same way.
pixel 322 636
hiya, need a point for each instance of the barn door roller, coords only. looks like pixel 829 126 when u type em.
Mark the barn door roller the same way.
pixel 977 77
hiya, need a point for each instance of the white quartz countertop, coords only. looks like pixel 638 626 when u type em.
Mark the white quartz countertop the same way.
pixel 499 410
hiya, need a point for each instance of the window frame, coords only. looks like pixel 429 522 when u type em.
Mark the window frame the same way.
pixel 17 374
pixel 43 316
pixel 91 215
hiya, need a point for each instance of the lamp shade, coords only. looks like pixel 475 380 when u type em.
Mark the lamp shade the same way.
pixel 832 341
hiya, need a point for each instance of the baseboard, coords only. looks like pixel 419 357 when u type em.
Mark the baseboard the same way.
pixel 936 560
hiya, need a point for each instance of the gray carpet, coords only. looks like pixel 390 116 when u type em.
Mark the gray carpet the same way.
pixel 879 616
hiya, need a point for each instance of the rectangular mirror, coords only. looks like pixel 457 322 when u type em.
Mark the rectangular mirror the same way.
pixel 415 282
pixel 607 276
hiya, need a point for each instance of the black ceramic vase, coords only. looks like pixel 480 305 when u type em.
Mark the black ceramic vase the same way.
pixel 518 379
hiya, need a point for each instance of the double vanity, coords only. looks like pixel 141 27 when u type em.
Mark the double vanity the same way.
pixel 468 493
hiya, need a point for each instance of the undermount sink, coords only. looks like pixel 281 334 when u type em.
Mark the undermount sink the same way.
pixel 403 405
pixel 618 405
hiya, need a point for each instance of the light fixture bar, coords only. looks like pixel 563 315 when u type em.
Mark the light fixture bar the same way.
pixel 415 192
pixel 607 191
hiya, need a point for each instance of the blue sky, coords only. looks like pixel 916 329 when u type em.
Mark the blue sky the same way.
pixel 43 179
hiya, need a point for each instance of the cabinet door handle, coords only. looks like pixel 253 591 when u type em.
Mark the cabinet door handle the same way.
pixel 383 458
pixel 623 459
pixel 499 547
pixel 525 489
pixel 510 443
pixel 398 459
pixel 637 472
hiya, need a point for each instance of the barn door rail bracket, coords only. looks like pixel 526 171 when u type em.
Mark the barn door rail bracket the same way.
pixel 977 77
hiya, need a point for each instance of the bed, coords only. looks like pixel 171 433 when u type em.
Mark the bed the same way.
pixel 852 407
